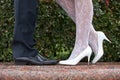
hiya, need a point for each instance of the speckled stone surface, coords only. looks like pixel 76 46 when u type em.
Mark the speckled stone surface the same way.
pixel 99 71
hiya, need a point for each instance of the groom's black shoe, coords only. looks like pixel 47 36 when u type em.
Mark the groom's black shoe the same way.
pixel 37 60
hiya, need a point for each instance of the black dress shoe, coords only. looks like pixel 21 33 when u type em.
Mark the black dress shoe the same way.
pixel 37 60
pixel 43 58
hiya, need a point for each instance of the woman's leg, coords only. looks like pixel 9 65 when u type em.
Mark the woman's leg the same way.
pixel 69 7
pixel 83 13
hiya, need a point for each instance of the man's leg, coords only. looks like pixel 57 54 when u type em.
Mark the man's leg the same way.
pixel 23 41
pixel 25 20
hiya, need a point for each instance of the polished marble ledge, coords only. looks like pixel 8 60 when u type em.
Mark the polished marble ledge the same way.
pixel 82 71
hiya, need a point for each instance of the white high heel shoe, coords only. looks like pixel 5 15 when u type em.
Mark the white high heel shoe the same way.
pixel 101 37
pixel 87 52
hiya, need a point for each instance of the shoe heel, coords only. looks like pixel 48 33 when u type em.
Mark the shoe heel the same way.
pixel 107 39
pixel 103 36
pixel 89 58
pixel 20 63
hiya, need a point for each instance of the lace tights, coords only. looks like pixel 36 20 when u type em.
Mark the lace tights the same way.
pixel 81 12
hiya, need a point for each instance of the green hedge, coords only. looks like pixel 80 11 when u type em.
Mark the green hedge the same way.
pixel 55 31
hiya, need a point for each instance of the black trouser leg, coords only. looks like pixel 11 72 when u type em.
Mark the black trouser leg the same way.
pixel 25 20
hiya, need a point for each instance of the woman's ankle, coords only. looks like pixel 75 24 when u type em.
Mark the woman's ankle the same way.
pixel 93 41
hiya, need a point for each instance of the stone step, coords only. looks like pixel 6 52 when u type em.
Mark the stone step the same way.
pixel 82 71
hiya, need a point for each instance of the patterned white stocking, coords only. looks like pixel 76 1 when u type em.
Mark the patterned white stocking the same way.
pixel 68 6
pixel 83 11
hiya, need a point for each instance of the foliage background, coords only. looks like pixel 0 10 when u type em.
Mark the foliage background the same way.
pixel 55 31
